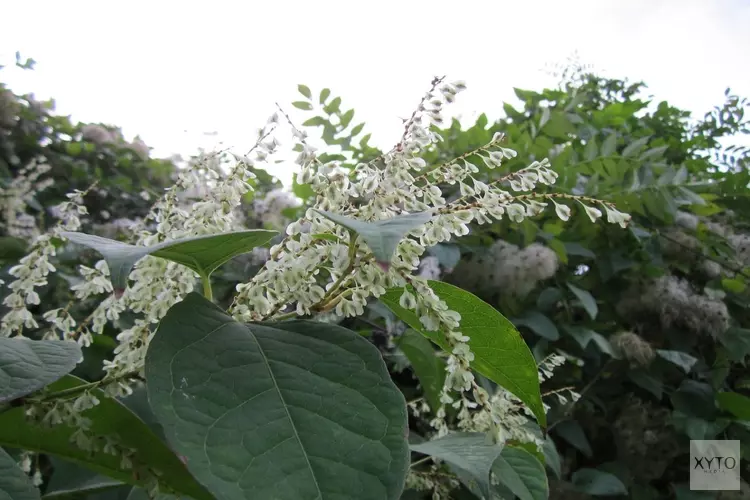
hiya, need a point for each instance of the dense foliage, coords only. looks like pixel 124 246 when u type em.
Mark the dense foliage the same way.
pixel 536 355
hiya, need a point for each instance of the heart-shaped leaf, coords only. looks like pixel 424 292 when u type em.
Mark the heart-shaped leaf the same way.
pixel 28 365
pixel 108 418
pixel 472 452
pixel 202 254
pixel 14 483
pixel 500 353
pixel 521 473
pixel 381 236
pixel 289 410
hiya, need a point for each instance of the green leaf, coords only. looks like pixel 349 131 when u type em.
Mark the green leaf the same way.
pixel 634 147
pixel 681 359
pixel 471 452
pixel 202 254
pixel 571 432
pixel 694 398
pixel 333 106
pixel 304 90
pixel 324 95
pixel 587 300
pixel 544 119
pixel 539 324
pixel 521 473
pixel 71 482
pixel 12 248
pixel 429 368
pixel 28 365
pixel 109 418
pixel 14 483
pixel 357 129
pixel 500 353
pixel 644 380
pixel 315 121
pixel 303 105
pixel 596 482
pixel 591 150
pixel 346 118
pixel 288 410
pixel 736 404
pixel 609 145
pixel 552 457
pixel 381 236
pixel 737 342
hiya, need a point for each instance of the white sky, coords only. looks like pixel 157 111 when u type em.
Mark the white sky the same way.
pixel 170 71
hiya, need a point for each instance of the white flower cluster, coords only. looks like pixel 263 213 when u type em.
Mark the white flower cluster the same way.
pixel 508 416
pixel 313 274
pixel 506 269
pixel 15 196
pixel 32 271
pixel 676 305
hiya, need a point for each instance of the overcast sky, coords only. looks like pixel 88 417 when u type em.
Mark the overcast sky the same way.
pixel 170 71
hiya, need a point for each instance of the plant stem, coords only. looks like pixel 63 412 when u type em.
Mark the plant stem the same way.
pixel 207 292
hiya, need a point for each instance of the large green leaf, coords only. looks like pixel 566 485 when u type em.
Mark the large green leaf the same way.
pixel 109 418
pixel 521 473
pixel 681 359
pixel 429 368
pixel 472 452
pixel 382 236
pixel 500 353
pixel 293 410
pixel 14 483
pixel 28 365
pixel 202 254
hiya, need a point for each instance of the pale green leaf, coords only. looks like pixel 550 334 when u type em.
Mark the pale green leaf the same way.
pixel 108 418
pixel 634 147
pixel 14 483
pixel 381 236
pixel 596 482
pixel 587 300
pixel 324 95
pixel 202 254
pixel 28 365
pixel 304 90
pixel 591 150
pixel 471 452
pixel 520 472
pixel 429 368
pixel 500 354
pixel 681 359
pixel 303 105
pixel 288 410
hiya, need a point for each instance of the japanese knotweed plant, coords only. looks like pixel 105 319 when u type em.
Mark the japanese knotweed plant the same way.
pixel 271 398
